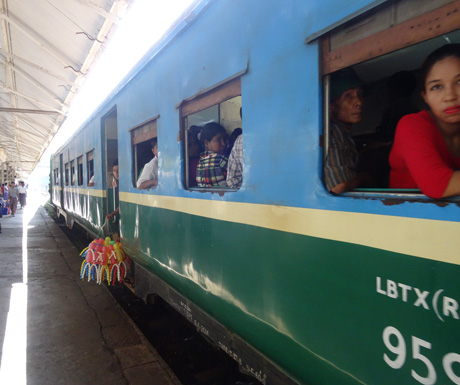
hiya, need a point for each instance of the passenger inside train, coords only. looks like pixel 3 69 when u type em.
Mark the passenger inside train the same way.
pixel 235 164
pixel 149 175
pixel 116 212
pixel 342 171
pixel 222 106
pixel 212 167
pixel 426 150
pixel 397 86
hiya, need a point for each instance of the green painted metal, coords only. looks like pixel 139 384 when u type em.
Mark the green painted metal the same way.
pixel 305 302
pixel 88 210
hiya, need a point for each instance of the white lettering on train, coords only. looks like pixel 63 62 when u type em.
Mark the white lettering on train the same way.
pixel 419 297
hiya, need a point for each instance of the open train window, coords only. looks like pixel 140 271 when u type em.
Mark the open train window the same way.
pixel 206 114
pixel 144 144
pixel 90 168
pixel 80 170
pixel 383 50
pixel 72 172
pixel 56 176
pixel 66 174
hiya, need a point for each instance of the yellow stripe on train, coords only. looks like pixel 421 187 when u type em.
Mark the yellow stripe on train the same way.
pixel 431 239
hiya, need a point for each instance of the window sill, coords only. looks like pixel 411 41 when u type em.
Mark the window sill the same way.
pixel 412 195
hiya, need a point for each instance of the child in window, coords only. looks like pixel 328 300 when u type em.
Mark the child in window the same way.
pixel 212 168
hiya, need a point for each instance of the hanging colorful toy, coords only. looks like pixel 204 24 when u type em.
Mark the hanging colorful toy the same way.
pixel 104 259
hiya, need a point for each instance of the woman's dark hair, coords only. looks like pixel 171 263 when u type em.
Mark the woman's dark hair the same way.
pixel 115 162
pixel 439 54
pixel 210 130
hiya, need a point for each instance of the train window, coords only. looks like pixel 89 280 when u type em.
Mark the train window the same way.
pixel 56 176
pixel 80 170
pixel 72 172
pixel 66 174
pixel 381 53
pixel 90 167
pixel 145 155
pixel 220 107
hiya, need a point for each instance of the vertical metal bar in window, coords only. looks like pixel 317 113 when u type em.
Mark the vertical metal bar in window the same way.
pixel 326 115
pixel 186 160
pixel 136 166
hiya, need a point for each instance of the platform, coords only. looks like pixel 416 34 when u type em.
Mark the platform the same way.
pixel 56 329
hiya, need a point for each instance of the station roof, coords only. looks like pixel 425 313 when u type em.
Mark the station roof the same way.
pixel 47 48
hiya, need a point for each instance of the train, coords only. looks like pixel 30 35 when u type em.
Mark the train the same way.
pixel 296 284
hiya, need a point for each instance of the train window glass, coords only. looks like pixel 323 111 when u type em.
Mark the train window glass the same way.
pixel 386 62
pixel 89 166
pixel 143 143
pixel 56 176
pixel 80 170
pixel 66 174
pixel 222 105
pixel 72 173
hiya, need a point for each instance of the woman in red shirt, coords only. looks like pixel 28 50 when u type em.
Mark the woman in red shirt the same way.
pixel 426 149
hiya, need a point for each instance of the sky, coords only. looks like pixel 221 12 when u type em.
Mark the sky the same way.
pixel 145 23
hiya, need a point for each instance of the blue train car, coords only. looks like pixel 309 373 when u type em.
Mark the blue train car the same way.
pixel 297 284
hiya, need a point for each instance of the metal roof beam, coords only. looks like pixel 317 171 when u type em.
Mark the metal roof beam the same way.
pixel 31 122
pixel 51 121
pixel 38 85
pixel 11 91
pixel 37 67
pixel 17 143
pixel 99 10
pixel 28 111
pixel 33 132
pixel 40 41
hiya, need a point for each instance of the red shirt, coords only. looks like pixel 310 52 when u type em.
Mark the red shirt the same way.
pixel 419 157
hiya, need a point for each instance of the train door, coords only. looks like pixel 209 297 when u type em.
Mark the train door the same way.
pixel 109 123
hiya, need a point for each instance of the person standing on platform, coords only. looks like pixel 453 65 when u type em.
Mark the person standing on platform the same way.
pixel 22 194
pixel 5 191
pixel 13 194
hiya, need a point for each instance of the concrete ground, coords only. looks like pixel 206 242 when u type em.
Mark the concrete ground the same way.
pixel 57 329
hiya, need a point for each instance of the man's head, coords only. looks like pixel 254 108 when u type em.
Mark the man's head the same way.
pixel 115 169
pixel 346 97
pixel 154 144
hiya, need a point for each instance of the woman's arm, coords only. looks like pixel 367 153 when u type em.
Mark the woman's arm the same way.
pixel 453 187
pixel 424 155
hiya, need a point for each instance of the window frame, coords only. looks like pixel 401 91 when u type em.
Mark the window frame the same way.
pixel 72 172
pixel 421 28
pixel 80 170
pixel 413 31
pixel 89 165
pixel 208 98
pixel 147 131
pixel 66 174
pixel 56 176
